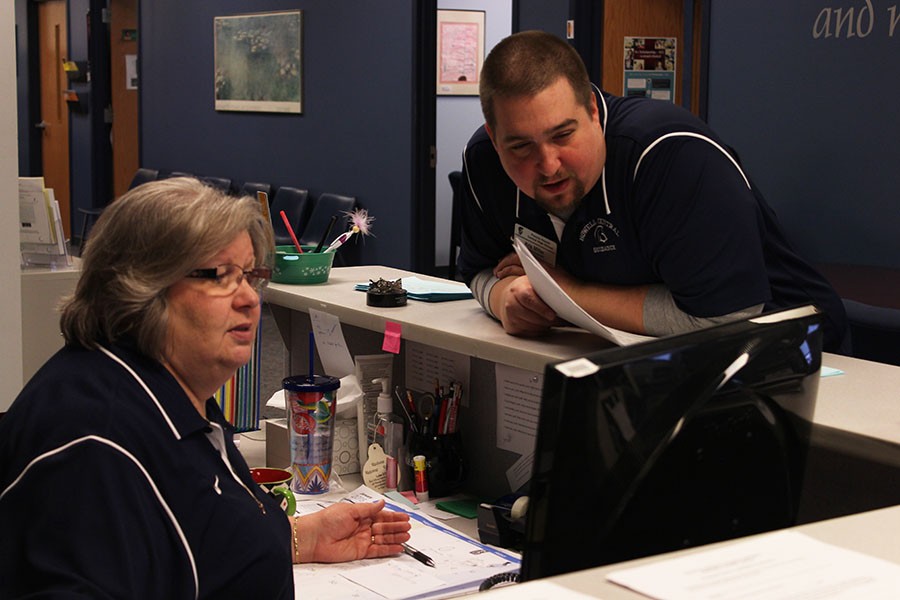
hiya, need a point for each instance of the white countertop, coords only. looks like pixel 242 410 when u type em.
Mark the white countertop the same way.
pixel 864 400
pixel 459 325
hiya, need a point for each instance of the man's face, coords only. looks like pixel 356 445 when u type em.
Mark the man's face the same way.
pixel 550 146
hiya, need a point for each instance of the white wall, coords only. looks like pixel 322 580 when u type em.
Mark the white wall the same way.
pixel 10 289
pixel 459 116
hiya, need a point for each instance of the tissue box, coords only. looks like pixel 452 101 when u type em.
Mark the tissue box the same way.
pixel 278 444
pixel 346 445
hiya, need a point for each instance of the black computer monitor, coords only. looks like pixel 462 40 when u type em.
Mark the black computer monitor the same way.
pixel 677 442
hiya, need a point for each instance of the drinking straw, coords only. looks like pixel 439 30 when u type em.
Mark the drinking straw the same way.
pixel 290 229
pixel 312 345
pixel 325 235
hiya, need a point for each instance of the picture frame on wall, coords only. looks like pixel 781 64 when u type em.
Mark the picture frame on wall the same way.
pixel 259 62
pixel 460 51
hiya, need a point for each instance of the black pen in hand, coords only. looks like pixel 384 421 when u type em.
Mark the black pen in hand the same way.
pixel 419 556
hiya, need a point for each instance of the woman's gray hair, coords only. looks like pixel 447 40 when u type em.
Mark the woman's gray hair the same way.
pixel 143 243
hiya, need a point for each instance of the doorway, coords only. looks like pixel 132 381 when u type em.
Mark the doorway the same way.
pixel 123 46
pixel 54 113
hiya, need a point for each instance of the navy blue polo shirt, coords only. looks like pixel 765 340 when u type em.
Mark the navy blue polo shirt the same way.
pixel 673 206
pixel 111 490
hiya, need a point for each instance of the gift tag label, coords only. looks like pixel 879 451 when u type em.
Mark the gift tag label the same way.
pixel 375 470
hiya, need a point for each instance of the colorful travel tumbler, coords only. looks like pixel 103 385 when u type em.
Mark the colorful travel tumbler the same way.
pixel 311 405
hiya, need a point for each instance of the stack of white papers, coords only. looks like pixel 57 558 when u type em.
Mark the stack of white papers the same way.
pixel 557 299
pixel 461 564
pixel 785 565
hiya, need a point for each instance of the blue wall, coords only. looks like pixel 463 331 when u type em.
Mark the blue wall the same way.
pixel 811 111
pixel 27 76
pixel 81 166
pixel 354 136
pixel 82 176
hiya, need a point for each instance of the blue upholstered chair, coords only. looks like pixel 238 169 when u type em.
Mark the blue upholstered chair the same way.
pixel 455 178
pixel 874 332
pixel 328 205
pixel 319 226
pixel 143 175
pixel 222 184
pixel 296 206
pixel 171 174
pixel 251 188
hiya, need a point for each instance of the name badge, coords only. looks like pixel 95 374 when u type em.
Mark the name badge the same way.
pixel 543 248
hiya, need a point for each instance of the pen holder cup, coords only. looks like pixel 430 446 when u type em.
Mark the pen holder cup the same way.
pixel 445 465
pixel 308 267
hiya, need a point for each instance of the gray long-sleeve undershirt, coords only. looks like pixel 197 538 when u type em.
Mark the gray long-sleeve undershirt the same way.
pixel 661 315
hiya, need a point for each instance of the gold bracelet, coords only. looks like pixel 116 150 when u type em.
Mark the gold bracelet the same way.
pixel 296 553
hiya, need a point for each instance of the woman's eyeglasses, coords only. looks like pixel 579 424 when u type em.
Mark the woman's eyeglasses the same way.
pixel 228 278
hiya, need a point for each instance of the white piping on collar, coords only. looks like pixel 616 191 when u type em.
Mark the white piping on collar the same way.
pixel 468 182
pixel 693 135
pixel 140 381
pixel 603 133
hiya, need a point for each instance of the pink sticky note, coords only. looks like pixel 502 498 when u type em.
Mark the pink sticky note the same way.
pixel 411 496
pixel 391 337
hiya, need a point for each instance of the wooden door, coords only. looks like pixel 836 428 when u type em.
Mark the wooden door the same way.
pixel 639 18
pixel 54 112
pixel 123 50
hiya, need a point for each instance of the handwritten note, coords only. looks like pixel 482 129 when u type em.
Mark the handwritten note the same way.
pixel 330 344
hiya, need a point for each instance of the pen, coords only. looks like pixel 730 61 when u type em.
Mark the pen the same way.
pixel 419 556
pixel 290 230
pixel 325 235
pixel 339 240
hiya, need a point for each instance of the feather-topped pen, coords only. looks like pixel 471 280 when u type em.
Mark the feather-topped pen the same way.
pixel 360 222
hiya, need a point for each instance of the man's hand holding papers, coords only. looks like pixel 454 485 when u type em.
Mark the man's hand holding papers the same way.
pixel 553 295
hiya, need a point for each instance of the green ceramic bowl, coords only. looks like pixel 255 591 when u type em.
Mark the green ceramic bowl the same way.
pixel 293 267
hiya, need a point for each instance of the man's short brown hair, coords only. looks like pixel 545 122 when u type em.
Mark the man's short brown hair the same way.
pixel 526 63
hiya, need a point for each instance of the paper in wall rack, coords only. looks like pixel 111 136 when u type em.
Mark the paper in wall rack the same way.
pixel 42 239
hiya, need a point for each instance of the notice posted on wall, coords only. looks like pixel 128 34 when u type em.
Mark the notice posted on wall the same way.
pixel 650 67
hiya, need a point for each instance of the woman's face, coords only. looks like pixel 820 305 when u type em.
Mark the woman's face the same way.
pixel 210 335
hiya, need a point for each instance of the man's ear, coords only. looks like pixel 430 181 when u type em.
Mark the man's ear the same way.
pixel 487 129
pixel 595 111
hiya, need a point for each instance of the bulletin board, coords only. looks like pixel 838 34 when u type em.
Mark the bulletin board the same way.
pixel 649 67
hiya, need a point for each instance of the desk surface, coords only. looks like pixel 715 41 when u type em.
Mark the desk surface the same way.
pixel 872 533
pixel 459 325
pixel 863 400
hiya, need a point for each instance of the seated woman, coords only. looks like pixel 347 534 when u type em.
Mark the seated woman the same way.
pixel 118 474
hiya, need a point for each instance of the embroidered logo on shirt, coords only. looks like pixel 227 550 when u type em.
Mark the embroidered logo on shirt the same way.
pixel 601 233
